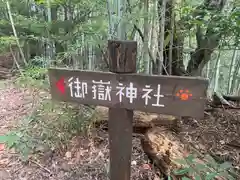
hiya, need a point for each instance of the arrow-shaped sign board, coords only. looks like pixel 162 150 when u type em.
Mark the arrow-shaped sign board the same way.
pixel 173 95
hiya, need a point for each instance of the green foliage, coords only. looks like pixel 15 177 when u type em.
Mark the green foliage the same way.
pixel 66 121
pixel 32 21
pixel 19 140
pixel 6 42
pixel 218 21
pixel 207 169
pixel 35 73
pixel 33 76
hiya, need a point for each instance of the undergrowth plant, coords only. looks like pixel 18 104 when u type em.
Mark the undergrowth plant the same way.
pixel 50 127
pixel 34 75
pixel 205 169
pixel 20 140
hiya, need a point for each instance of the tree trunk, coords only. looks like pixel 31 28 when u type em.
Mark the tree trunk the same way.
pixel 232 65
pixel 176 46
pixel 15 33
pixel 217 67
pixel 206 43
pixel 146 38
pixel 236 78
pixel 202 54
pixel 162 15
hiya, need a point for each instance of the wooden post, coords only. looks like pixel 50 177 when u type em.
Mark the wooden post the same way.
pixel 122 59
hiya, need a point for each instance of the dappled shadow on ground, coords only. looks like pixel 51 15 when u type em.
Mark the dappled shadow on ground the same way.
pixel 86 157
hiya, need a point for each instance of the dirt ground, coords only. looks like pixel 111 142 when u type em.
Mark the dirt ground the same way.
pixel 87 158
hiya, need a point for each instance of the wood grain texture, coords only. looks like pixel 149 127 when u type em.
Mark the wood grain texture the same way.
pixel 122 56
pixel 120 120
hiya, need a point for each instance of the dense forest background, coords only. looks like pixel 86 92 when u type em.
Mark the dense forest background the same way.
pixel 178 37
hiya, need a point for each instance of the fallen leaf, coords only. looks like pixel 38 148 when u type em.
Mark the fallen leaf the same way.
pixel 68 154
pixel 134 163
pixel 146 166
pixel 2 147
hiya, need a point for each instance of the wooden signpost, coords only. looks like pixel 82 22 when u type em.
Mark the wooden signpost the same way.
pixel 122 90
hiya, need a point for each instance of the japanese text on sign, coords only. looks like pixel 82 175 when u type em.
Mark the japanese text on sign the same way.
pixel 102 90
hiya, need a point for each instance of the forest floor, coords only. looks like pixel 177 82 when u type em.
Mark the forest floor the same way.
pixel 86 157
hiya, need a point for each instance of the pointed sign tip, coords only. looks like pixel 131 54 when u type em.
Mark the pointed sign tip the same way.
pixel 60 85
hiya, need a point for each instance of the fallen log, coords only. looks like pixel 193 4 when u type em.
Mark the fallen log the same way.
pixel 168 153
pixel 162 147
pixel 141 121
pixel 232 98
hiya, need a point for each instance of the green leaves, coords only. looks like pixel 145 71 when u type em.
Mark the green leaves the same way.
pixel 185 178
pixel 3 138
pixel 9 139
pixel 16 140
pixel 208 169
pixel 6 41
pixel 224 22
pixel 182 171
pixel 180 161
pixel 226 165
pixel 211 176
